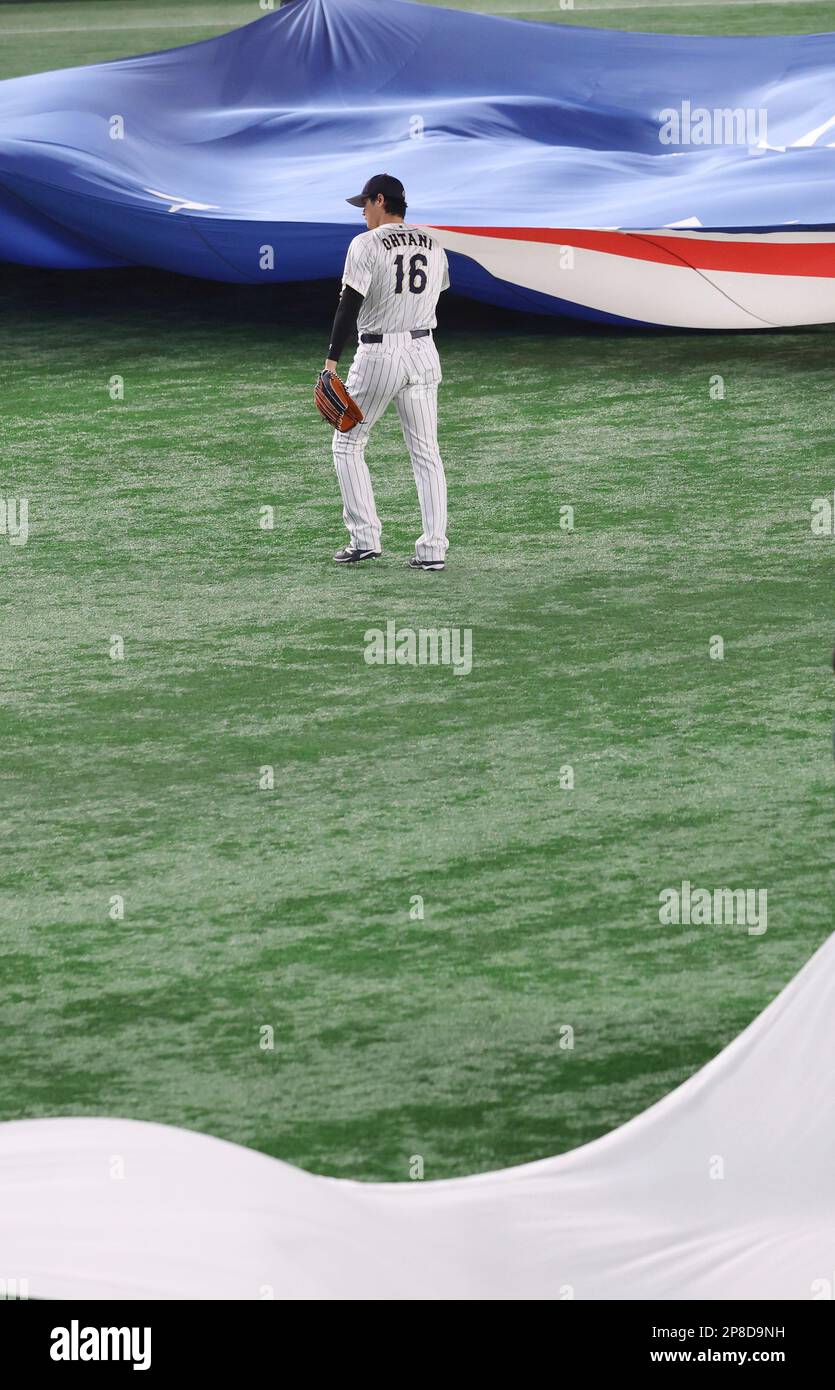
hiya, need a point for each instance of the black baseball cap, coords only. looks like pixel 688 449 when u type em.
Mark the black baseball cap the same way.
pixel 386 184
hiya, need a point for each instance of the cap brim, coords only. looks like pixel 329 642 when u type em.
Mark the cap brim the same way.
pixel 357 202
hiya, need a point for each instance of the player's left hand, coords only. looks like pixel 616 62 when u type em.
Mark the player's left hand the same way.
pixel 330 365
pixel 335 403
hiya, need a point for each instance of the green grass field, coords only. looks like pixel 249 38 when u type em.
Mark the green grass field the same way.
pixel 244 648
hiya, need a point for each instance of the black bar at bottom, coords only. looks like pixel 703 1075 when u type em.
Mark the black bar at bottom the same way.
pixel 276 1339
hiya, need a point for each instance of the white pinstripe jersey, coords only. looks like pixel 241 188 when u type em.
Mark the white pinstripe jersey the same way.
pixel 400 271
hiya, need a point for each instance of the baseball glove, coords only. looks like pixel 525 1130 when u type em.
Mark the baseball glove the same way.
pixel 334 403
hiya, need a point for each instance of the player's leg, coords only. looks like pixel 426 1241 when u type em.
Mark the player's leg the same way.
pixel 372 381
pixel 417 407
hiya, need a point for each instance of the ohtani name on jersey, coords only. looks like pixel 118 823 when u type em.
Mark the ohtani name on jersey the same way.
pixel 407 239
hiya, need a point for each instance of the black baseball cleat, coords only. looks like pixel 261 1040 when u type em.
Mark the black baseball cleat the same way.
pixel 349 556
pixel 416 564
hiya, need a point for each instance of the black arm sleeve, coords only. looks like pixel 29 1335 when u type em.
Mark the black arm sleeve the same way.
pixel 344 322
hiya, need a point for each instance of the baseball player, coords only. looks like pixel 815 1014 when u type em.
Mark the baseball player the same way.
pixel 393 276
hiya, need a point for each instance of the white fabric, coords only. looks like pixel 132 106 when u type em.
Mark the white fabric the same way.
pixel 406 370
pixel 633 1215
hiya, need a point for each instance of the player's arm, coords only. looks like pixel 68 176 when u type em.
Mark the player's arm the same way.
pixel 344 324
pixel 356 280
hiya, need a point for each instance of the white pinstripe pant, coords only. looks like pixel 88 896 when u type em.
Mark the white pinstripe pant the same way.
pixel 406 370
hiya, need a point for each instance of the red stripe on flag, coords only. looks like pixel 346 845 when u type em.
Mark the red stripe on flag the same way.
pixel 754 257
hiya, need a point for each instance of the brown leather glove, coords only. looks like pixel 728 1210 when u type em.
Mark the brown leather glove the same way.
pixel 334 403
